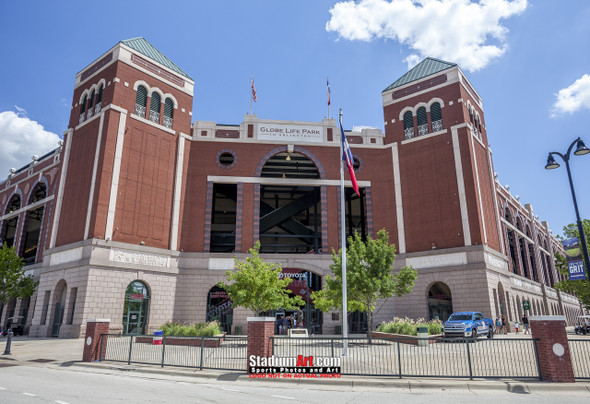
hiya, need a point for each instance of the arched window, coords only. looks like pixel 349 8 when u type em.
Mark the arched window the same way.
pixel 33 225
pixel 98 99
pixel 422 121
pixel 436 117
pixel 135 310
pixel 408 125
pixel 9 230
pixel 155 108
pixel 511 242
pixel 83 109
pixel 168 113
pixel 141 101
pixel 90 103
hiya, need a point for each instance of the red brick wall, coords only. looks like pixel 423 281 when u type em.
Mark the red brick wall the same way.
pixel 551 332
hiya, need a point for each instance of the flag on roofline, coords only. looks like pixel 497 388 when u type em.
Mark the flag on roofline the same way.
pixel 253 90
pixel 328 84
pixel 348 159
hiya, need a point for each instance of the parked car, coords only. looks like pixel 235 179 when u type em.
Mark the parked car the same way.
pixel 582 325
pixel 468 324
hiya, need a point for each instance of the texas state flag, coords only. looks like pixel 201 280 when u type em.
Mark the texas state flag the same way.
pixel 347 157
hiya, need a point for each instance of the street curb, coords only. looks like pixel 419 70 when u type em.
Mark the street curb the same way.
pixel 410 384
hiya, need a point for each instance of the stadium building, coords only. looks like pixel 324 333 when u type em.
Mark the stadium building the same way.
pixel 139 213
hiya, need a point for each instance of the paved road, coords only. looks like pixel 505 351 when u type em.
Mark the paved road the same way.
pixel 33 383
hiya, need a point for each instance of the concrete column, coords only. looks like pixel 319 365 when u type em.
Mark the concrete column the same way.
pixel 554 355
pixel 260 329
pixel 92 341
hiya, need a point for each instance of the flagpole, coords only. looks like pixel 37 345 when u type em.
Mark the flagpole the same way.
pixel 343 244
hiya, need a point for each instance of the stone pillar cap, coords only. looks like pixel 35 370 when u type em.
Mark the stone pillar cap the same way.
pixel 547 318
pixel 253 319
pixel 99 320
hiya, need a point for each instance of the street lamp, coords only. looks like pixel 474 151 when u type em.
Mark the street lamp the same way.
pixel 581 149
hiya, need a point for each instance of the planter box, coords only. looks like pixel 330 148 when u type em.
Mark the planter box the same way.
pixel 209 342
pixel 405 339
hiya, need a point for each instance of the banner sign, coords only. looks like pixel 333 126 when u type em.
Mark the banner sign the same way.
pixel 575 263
pixel 290 133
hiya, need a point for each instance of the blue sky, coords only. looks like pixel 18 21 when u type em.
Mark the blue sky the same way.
pixel 529 61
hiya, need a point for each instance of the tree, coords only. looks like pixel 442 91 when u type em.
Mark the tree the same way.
pixel 580 288
pixel 13 281
pixel 370 277
pixel 257 285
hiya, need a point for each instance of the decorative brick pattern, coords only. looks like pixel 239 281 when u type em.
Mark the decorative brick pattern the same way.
pixel 296 149
pixel 92 343
pixel 256 226
pixel 239 214
pixel 208 214
pixel 369 210
pixel 554 355
pixel 229 166
pixel 324 211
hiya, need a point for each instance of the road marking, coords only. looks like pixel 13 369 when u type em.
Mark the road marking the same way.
pixel 2 388
pixel 185 383
pixel 29 394
pixel 61 402
pixel 285 397
pixel 229 389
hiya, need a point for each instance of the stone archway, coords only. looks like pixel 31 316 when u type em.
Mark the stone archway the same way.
pixel 440 302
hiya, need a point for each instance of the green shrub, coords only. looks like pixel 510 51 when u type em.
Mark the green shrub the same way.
pixel 409 326
pixel 209 329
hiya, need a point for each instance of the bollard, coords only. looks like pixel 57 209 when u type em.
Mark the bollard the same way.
pixel 422 335
pixel 8 342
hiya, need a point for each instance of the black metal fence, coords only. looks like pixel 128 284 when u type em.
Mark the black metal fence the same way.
pixel 580 354
pixel 411 357
pixel 227 353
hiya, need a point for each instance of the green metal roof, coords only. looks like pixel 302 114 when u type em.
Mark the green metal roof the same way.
pixel 425 68
pixel 147 49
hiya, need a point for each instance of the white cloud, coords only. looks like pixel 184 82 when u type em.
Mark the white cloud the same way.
pixel 573 98
pixel 459 31
pixel 20 138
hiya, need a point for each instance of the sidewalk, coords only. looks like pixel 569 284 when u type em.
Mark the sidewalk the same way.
pixel 54 352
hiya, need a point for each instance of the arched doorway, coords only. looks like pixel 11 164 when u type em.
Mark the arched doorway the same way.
pixel 136 307
pixel 440 302
pixel 58 313
pixel 219 308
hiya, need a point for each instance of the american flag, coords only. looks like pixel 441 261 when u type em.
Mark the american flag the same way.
pixel 253 91
pixel 347 157
pixel 328 84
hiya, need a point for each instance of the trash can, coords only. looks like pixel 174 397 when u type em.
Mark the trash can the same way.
pixel 158 334
pixel 338 330
pixel 422 335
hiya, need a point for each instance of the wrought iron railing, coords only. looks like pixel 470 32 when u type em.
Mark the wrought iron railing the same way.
pixel 140 110
pixel 409 133
pixel 97 108
pixel 89 113
pixel 228 352
pixel 81 119
pixel 437 125
pixel 423 129
pixel 155 116
pixel 580 354
pixel 167 121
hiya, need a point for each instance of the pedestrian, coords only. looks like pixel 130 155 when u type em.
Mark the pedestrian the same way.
pixel 525 324
pixel 516 326
pixel 504 330
pixel 498 325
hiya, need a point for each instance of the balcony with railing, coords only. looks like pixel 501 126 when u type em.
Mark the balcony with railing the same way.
pixel 81 119
pixel 437 126
pixel 140 110
pixel 155 116
pixel 89 114
pixel 97 109
pixel 423 129
pixel 167 122
pixel 409 132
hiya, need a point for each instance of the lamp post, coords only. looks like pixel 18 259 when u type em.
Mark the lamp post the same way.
pixel 581 149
